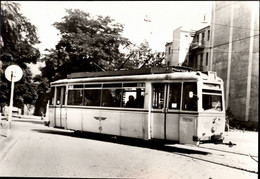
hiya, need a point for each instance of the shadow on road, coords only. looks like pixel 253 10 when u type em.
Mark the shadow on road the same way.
pixel 151 144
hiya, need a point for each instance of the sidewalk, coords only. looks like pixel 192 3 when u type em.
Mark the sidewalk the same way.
pixel 238 141
pixel 7 143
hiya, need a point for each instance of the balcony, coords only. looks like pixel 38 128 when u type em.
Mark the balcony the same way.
pixel 197 45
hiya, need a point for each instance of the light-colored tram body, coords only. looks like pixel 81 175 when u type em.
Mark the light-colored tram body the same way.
pixel 187 107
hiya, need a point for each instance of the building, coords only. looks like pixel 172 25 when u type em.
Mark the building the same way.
pixel 169 54
pixel 189 48
pixel 176 52
pixel 199 51
pixel 230 47
pixel 235 56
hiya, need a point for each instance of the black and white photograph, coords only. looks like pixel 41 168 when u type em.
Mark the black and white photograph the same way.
pixel 129 89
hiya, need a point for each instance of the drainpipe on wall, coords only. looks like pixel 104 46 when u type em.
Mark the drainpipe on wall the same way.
pixel 229 55
pixel 212 32
pixel 250 57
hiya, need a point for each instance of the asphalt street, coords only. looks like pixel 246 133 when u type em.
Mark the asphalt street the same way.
pixel 35 150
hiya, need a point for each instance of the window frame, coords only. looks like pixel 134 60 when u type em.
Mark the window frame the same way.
pixel 107 86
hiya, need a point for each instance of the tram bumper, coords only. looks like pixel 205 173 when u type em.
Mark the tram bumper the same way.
pixel 213 138
pixel 217 138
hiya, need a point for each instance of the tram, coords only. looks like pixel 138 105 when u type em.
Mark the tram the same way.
pixel 171 103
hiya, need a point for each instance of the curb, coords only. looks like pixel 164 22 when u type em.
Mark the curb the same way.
pixel 29 120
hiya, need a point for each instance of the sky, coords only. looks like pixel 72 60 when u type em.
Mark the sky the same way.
pixel 164 17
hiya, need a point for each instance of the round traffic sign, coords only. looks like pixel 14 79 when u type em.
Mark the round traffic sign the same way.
pixel 13 71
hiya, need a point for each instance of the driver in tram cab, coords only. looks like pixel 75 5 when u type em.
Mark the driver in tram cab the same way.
pixel 131 102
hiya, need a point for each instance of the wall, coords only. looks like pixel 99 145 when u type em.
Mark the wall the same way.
pixel 235 59
pixel 179 47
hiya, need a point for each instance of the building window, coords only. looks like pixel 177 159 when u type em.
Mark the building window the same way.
pixel 207 59
pixel 208 34
pixel 202 39
pixel 195 61
pixel 169 50
pixel 201 60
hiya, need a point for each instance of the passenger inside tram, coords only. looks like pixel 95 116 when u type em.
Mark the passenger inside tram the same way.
pixel 131 102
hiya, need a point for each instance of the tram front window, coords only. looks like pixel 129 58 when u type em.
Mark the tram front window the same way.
pixel 175 96
pixel 190 103
pixel 212 102
pixel 158 95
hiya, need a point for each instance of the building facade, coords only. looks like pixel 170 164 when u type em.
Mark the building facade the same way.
pixel 177 51
pixel 199 51
pixel 235 56
pixel 189 48
pixel 230 47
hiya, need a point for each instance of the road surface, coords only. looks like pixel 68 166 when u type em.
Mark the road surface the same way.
pixel 35 150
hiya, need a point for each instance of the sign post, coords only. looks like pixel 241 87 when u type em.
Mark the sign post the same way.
pixel 13 73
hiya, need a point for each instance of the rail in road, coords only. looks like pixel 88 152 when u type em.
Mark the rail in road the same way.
pixel 226 158
pixel 216 156
pixel 240 161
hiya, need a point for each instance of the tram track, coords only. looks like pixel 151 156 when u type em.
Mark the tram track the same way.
pixel 225 165
pixel 235 160
pixel 238 153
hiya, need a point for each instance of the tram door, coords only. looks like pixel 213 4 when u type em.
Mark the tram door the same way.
pixel 165 110
pixel 60 111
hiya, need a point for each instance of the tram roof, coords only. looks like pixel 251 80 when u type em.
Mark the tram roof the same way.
pixel 148 75
pixel 141 71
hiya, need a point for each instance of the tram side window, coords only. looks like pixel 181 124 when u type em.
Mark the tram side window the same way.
pixel 52 96
pixel 133 97
pixel 92 97
pixel 58 95
pixel 75 97
pixel 111 97
pixel 189 103
pixel 175 96
pixel 63 95
pixel 158 95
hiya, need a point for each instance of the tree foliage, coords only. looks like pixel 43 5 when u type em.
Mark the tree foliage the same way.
pixel 142 56
pixel 43 92
pixel 87 44
pixel 18 36
pixel 90 44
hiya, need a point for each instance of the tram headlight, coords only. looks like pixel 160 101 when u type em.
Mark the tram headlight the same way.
pixel 213 130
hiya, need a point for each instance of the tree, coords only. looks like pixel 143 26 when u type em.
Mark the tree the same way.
pixel 142 56
pixel 87 44
pixel 43 92
pixel 18 36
